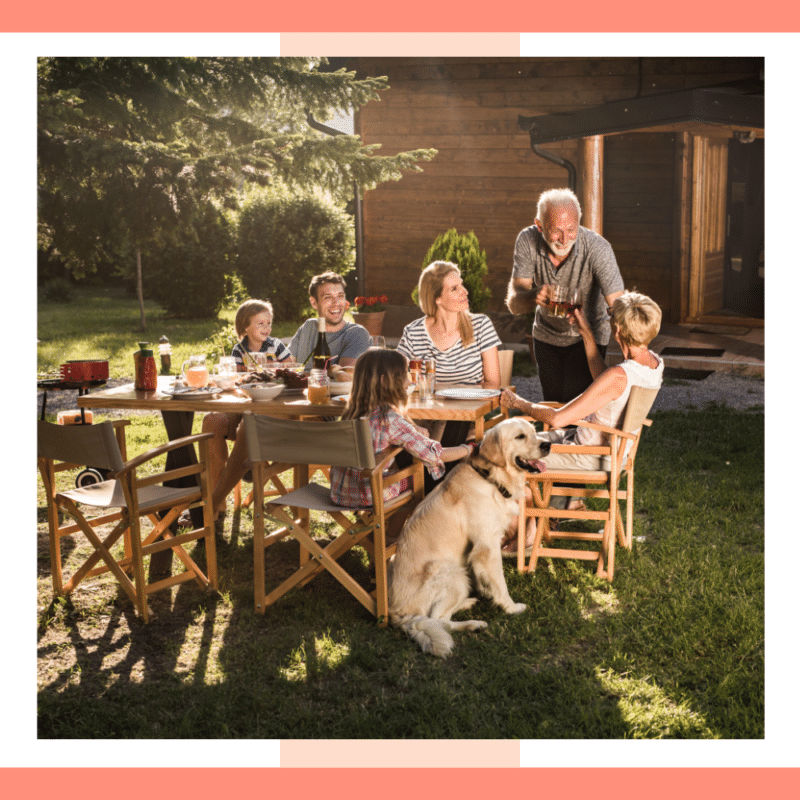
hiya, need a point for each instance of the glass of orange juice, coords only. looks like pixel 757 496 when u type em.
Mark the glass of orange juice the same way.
pixel 318 386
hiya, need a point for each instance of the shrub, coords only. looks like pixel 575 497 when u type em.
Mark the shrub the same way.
pixel 463 250
pixel 284 240
pixel 188 276
pixel 221 343
pixel 57 290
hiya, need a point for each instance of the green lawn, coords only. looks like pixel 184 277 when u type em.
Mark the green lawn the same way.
pixel 674 648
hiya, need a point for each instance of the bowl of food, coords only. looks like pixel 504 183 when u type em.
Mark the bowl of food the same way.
pixel 340 387
pixel 262 391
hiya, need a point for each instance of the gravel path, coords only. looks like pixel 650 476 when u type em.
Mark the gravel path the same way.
pixel 741 393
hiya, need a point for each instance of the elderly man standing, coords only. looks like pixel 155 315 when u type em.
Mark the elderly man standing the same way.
pixel 556 250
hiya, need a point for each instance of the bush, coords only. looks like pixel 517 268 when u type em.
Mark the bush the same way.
pixel 188 276
pixel 284 240
pixel 221 343
pixel 463 250
pixel 57 290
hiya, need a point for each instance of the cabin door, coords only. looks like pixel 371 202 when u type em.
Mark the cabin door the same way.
pixel 709 222
pixel 744 258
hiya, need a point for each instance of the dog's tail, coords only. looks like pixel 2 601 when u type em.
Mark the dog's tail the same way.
pixel 433 635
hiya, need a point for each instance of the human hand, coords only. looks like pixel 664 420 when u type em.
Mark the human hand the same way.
pixel 508 399
pixel 543 295
pixel 575 316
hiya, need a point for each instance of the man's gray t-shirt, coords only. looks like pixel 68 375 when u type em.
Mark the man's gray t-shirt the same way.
pixel 349 342
pixel 591 267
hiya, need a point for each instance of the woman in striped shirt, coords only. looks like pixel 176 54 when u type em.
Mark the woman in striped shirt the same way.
pixel 463 345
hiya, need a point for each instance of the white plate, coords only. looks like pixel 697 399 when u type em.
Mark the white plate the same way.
pixel 191 393
pixel 467 394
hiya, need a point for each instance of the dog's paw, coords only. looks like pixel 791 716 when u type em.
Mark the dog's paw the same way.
pixel 516 608
pixel 476 625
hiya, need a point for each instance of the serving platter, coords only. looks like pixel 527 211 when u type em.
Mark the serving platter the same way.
pixel 192 393
pixel 466 394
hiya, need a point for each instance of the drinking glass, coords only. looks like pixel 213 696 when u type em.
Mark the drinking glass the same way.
pixel 261 359
pixel 318 386
pixel 378 341
pixel 574 301
pixel 557 301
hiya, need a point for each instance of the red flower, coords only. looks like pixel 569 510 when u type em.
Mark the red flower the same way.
pixel 373 303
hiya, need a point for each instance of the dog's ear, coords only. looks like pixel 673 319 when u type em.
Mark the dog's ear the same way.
pixel 491 449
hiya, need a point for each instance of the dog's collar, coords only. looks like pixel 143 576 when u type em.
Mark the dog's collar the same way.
pixel 484 473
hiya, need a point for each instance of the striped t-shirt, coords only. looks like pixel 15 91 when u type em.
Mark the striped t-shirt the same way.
pixel 457 364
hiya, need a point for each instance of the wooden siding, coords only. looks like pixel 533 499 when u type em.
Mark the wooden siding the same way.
pixel 638 207
pixel 486 178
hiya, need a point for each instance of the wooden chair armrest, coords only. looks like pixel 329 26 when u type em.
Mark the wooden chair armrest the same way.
pixel 174 444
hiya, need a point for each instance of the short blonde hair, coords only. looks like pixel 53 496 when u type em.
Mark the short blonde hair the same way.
pixel 431 285
pixel 379 381
pixel 246 312
pixel 637 318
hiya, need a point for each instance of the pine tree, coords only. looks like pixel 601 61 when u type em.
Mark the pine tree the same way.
pixel 131 149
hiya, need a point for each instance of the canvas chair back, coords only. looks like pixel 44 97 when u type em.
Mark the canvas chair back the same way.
pixel 341 443
pixel 80 444
pixel 506 366
pixel 639 404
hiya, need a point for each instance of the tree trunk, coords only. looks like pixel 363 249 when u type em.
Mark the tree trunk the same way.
pixel 140 289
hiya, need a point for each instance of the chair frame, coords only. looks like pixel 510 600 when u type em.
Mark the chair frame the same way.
pixel 162 513
pixel 367 526
pixel 602 483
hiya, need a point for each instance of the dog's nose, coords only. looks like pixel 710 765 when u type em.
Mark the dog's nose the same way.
pixel 544 447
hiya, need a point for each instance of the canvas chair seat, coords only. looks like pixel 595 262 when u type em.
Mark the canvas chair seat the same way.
pixel 308 444
pixel 316 497
pixel 110 494
pixel 617 458
pixel 126 498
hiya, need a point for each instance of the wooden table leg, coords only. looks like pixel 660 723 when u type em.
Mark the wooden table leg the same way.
pixel 177 424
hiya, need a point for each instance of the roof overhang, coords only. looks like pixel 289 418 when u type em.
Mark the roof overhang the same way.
pixel 716 110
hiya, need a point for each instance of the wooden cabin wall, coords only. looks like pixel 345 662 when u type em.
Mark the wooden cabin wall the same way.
pixel 639 200
pixel 486 178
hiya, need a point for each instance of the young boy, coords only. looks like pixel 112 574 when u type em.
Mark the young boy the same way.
pixel 253 325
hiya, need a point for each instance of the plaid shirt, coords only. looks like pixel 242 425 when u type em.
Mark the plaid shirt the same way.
pixel 388 429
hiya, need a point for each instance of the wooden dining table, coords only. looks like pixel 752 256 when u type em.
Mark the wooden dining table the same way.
pixel 178 416
pixel 178 413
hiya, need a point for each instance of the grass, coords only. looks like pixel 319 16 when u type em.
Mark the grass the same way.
pixel 674 648
pixel 104 323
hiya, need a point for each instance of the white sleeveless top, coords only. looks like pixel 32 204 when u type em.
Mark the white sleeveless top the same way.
pixel 611 413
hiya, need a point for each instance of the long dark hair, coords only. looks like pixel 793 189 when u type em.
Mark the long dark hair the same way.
pixel 379 381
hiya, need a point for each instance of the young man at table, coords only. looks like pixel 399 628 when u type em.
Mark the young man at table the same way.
pixel 345 339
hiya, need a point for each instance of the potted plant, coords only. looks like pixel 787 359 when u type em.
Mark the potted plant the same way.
pixel 370 311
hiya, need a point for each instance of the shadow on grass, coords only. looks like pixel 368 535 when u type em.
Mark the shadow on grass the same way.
pixel 672 649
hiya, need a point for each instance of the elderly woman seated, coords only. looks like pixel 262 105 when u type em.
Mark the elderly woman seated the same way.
pixel 635 322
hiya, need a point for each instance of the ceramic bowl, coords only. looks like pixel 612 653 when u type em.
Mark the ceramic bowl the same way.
pixel 340 387
pixel 262 391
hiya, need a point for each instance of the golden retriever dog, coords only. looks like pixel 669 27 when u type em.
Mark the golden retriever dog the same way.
pixel 456 532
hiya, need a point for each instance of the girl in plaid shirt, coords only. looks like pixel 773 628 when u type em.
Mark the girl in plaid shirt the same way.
pixel 380 394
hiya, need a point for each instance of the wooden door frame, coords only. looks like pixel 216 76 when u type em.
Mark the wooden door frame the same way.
pixel 690 216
